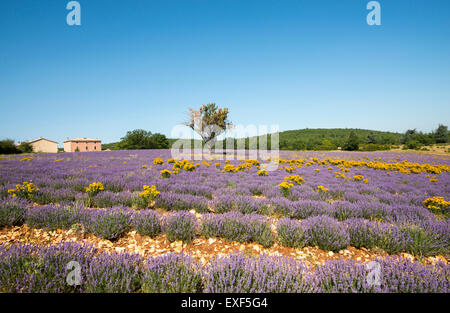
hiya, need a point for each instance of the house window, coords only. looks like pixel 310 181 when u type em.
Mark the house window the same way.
pixel 95 147
pixel 86 148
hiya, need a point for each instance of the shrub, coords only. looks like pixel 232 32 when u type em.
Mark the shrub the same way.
pixel 25 147
pixel 12 211
pixel 106 199
pixel 371 234
pixel 362 233
pixel 149 194
pixel 395 275
pixel 239 274
pixel 343 276
pixel 172 273
pixel 178 202
pixel 114 272
pixel 7 146
pixel 343 210
pixel 109 224
pixel 52 217
pixel 224 203
pixel 30 268
pixel 290 233
pixel 27 190
pixel 260 232
pixel 431 238
pixel 147 223
pixel 235 226
pixel 92 190
pixel 325 232
pixel 180 226
pixel 247 205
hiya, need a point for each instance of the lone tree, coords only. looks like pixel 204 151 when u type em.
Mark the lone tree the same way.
pixel 209 122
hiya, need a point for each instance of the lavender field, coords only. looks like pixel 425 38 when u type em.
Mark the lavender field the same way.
pixel 151 223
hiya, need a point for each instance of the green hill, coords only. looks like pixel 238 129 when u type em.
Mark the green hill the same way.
pixel 319 139
pixel 332 138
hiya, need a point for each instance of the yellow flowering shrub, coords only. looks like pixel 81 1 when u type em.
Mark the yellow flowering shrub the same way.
pixel 188 167
pixel 165 173
pixel 175 170
pixel 322 188
pixel 340 175
pixel 229 168
pixel 24 159
pixel 158 161
pixel 149 193
pixel 358 178
pixel 25 190
pixel 295 178
pixel 436 204
pixel 263 173
pixel 252 162
pixel 285 187
pixel 243 167
pixel 290 169
pixel 94 188
pixel 433 179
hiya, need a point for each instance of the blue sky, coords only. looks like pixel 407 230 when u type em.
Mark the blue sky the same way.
pixel 142 64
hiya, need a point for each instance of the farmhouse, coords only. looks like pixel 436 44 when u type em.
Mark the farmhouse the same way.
pixel 44 145
pixel 82 144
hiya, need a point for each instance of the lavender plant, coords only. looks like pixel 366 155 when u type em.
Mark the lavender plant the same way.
pixel 325 232
pixel 265 274
pixel 180 226
pixel 52 217
pixel 290 233
pixel 172 273
pixel 12 211
pixel 108 224
pixel 147 223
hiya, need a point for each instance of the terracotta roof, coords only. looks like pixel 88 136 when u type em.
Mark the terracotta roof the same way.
pixel 82 139
pixel 42 139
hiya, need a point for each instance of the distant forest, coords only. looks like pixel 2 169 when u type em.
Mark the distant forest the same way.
pixel 334 138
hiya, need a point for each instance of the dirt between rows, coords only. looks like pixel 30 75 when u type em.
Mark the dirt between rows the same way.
pixel 202 249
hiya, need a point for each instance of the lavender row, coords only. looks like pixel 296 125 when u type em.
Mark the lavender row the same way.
pixel 427 238
pixel 278 206
pixel 71 267
pixel 430 238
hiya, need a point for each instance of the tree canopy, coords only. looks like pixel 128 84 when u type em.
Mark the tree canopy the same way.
pixel 142 139
pixel 209 122
pixel 352 143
